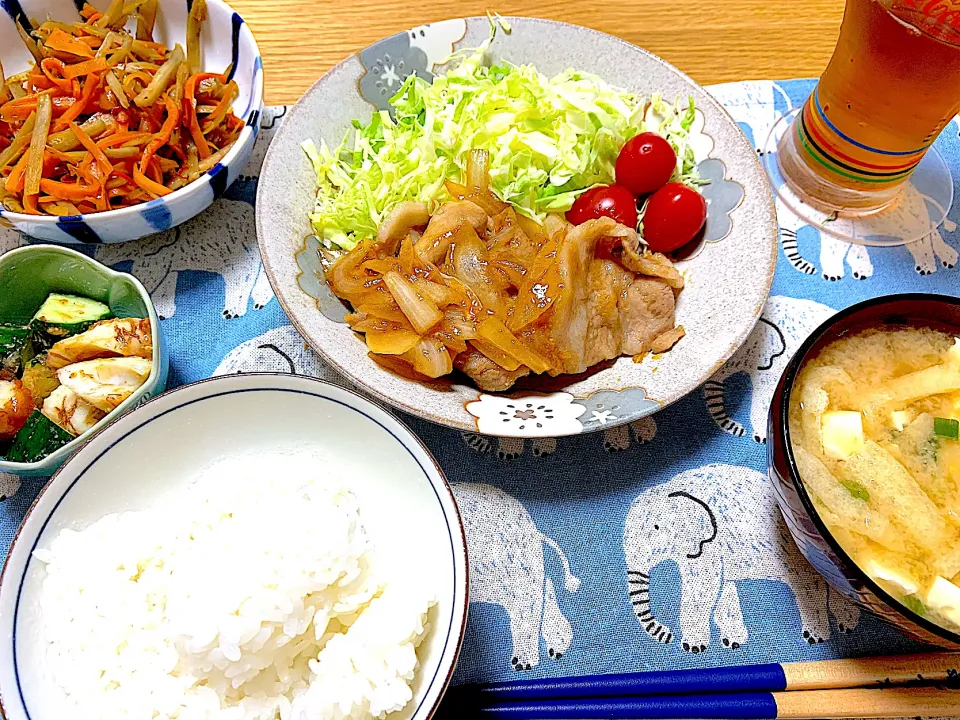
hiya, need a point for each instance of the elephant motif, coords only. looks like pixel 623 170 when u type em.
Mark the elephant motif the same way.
pixel 9 484
pixel 615 439
pixel 835 253
pixel 10 239
pixel 720 525
pixel 270 122
pixel 438 40
pixel 509 448
pixel 279 350
pixel 784 324
pixel 753 106
pixel 389 62
pixel 221 241
pixel 507 569
pixel 622 437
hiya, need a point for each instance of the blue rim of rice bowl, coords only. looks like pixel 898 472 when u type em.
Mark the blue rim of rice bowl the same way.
pixel 26 567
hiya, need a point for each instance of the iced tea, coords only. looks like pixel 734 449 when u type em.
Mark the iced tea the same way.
pixel 892 85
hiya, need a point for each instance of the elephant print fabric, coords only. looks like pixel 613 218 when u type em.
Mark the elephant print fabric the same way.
pixel 651 545
pixel 784 324
pixel 720 525
pixel 221 241
pixel 507 569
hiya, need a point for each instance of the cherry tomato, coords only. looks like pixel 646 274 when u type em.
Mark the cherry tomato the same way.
pixel 645 164
pixel 675 214
pixel 612 201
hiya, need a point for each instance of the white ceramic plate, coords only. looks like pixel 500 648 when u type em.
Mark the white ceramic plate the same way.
pixel 728 278
pixel 405 502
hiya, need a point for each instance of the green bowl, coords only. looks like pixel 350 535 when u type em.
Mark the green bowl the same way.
pixel 29 274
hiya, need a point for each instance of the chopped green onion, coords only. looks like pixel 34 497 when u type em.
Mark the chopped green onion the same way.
pixel 947 427
pixel 856 490
pixel 913 602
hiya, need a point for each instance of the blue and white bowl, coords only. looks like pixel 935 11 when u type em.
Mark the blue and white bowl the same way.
pixel 225 39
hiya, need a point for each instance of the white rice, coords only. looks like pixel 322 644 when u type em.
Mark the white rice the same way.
pixel 238 598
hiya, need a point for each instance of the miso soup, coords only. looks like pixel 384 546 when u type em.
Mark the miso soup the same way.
pixel 874 429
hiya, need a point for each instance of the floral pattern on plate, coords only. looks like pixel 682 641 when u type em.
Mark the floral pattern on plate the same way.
pixel 608 408
pixel 723 196
pixel 531 416
pixel 312 281
pixel 392 60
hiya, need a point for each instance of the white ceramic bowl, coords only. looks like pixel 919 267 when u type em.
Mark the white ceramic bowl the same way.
pixel 225 39
pixel 405 501
pixel 728 275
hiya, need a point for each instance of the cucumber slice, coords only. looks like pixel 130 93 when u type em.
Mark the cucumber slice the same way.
pixel 15 347
pixel 64 315
pixel 37 439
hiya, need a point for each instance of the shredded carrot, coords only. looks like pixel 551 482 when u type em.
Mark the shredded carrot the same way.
pixel 120 138
pixel 14 183
pixel 162 137
pixel 150 185
pixel 30 205
pixel 89 86
pixel 190 112
pixel 59 155
pixel 21 107
pixel 153 170
pixel 38 81
pixel 69 191
pixel 62 104
pixel 102 203
pixel 85 68
pixel 92 148
pixel 221 110
pixel 53 71
pixel 60 41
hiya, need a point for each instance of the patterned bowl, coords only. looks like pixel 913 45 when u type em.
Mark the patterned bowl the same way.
pixel 225 40
pixel 407 506
pixel 29 274
pixel 728 277
pixel 811 534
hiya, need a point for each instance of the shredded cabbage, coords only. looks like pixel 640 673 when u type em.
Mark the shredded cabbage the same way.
pixel 550 139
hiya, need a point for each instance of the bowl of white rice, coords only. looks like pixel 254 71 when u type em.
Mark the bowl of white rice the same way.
pixel 253 547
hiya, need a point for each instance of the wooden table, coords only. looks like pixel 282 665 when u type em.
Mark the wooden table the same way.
pixel 712 41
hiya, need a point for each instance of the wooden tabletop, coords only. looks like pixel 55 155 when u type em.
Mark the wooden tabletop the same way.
pixel 713 41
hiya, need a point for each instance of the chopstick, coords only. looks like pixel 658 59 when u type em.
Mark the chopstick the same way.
pixel 892 702
pixel 864 687
pixel 772 677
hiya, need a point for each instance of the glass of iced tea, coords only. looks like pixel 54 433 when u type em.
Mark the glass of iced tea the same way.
pixel 857 159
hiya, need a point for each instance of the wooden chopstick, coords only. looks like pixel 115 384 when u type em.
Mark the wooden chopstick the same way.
pixel 821 675
pixel 864 672
pixel 886 702
pixel 882 702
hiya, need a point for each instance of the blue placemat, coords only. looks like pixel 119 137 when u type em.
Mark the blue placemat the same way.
pixel 553 515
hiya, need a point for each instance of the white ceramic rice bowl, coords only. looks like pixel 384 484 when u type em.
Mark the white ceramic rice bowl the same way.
pixel 405 504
